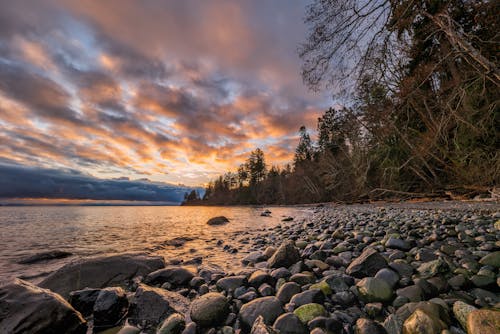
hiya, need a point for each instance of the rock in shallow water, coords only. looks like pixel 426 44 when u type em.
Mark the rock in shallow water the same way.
pixel 219 220
pixel 210 309
pixel 45 256
pixel 100 272
pixel 26 308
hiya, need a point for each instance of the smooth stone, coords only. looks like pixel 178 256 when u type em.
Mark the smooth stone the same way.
pixel 289 323
pixel 127 329
pixel 101 272
pixel 231 283
pixel 413 293
pixel 483 321
pixel 83 300
pixel 492 259
pixel 323 286
pixel 177 276
pixel 388 275
pixel 268 307
pixel 308 297
pixel 367 326
pixel 285 256
pixel 367 264
pixel 461 310
pixel 259 277
pixel 302 278
pixel 287 291
pixel 26 308
pixel 397 244
pixel 337 283
pixel 219 220
pixel 373 289
pixel 150 306
pixel 174 324
pixel 210 309
pixel 308 312
pixel 110 308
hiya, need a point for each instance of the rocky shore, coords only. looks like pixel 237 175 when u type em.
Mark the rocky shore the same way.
pixel 362 269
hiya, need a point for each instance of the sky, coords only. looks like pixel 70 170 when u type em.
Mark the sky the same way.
pixel 146 94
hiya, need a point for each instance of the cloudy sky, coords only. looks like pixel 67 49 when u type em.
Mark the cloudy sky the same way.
pixel 172 91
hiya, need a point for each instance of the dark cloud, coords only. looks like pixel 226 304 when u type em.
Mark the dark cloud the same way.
pixel 29 182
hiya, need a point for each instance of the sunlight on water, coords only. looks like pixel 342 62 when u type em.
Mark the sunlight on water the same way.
pixel 88 231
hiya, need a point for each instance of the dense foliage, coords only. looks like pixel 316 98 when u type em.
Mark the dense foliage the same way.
pixel 420 82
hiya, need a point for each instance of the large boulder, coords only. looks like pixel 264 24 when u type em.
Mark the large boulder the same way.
pixel 177 276
pixel 101 272
pixel 211 309
pixel 267 307
pixel 150 306
pixel 367 264
pixel 26 308
pixel 285 256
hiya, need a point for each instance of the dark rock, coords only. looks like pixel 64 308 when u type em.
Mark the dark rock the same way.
pixel 367 326
pixel 287 291
pixel 176 276
pixel 308 297
pixel 285 256
pixel 367 264
pixel 231 283
pixel 26 308
pixel 219 220
pixel 266 290
pixel 413 293
pixel 268 307
pixel 110 308
pixel 289 323
pixel 373 289
pixel 100 272
pixel 280 273
pixel 302 278
pixel 433 268
pixel 398 244
pixel 174 324
pixel 258 277
pixel 388 275
pixel 83 300
pixel 210 309
pixel 150 306
pixel 45 256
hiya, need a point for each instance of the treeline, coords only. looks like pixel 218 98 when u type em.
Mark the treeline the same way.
pixel 421 83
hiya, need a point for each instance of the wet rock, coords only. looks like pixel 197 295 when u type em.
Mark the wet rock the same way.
pixel 367 264
pixel 83 300
pixel 267 307
pixel 260 327
pixel 285 256
pixel 308 312
pixel 421 322
pixel 177 276
pixel 210 309
pixel 367 326
pixel 483 321
pixel 150 306
pixel 110 308
pixel 287 291
pixel 219 220
pixel 174 324
pixel 45 256
pixel 100 272
pixel 373 289
pixel 26 308
pixel 289 323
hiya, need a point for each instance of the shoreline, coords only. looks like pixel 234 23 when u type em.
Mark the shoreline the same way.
pixel 372 268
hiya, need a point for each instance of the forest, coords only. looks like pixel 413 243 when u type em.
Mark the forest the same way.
pixel 419 85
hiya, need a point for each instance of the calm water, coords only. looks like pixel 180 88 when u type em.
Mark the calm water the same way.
pixel 86 231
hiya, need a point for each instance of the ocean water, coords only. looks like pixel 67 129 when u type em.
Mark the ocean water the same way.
pixel 87 231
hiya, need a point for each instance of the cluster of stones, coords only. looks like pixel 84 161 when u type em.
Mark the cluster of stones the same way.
pixel 358 270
